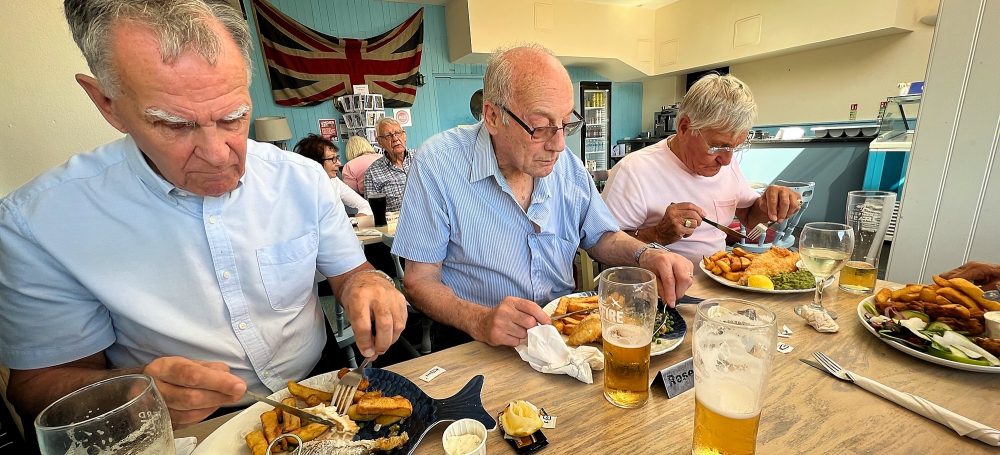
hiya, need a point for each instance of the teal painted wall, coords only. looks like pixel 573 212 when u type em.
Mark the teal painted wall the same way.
pixel 364 18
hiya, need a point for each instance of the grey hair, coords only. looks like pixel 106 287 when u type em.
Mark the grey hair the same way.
pixel 722 103
pixel 386 121
pixel 498 81
pixel 357 146
pixel 177 24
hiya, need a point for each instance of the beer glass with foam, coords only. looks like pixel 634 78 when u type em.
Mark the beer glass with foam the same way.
pixel 124 414
pixel 627 297
pixel 733 343
pixel 869 214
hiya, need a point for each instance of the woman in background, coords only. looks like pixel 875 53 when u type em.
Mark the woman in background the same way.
pixel 324 152
pixel 360 155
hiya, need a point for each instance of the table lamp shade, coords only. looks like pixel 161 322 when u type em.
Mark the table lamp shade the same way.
pixel 272 129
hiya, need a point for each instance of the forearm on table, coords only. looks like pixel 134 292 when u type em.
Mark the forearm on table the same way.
pixel 32 390
pixel 616 248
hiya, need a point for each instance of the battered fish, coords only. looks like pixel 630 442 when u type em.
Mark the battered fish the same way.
pixel 587 331
pixel 772 262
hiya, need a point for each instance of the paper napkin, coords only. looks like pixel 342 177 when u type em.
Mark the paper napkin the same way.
pixel 546 352
pixel 184 446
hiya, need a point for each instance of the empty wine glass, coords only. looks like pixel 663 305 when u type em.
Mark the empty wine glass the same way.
pixel 823 248
pixel 121 415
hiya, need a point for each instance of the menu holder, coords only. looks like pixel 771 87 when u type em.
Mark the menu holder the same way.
pixel 677 378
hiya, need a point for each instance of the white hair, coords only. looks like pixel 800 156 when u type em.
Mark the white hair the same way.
pixel 721 103
pixel 178 25
pixel 498 81
pixel 386 121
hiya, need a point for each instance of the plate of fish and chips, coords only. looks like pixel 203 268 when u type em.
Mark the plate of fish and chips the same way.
pixel 781 268
pixel 585 327
pixel 406 411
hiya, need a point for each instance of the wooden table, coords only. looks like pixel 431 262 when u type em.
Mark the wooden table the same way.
pixel 370 239
pixel 806 411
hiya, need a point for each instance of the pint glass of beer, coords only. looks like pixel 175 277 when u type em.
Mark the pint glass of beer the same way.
pixel 627 297
pixel 733 343
pixel 869 214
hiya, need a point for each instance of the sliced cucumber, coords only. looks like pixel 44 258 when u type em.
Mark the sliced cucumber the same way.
pixel 955 355
pixel 870 309
pixel 938 327
pixel 908 314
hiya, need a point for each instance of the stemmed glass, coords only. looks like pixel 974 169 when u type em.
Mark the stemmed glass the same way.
pixel 125 414
pixel 823 248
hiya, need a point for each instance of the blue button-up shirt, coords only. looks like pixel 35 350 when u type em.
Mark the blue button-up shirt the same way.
pixel 459 211
pixel 104 254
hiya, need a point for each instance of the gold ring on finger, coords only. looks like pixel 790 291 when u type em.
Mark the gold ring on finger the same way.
pixel 687 223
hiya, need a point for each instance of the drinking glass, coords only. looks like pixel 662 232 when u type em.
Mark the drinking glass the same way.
pixel 733 344
pixel 627 297
pixel 378 202
pixel 121 415
pixel 869 214
pixel 823 248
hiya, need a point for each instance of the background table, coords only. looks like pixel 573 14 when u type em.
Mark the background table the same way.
pixel 806 411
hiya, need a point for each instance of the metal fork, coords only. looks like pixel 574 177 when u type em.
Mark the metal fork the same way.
pixel 961 425
pixel 343 394
pixel 759 230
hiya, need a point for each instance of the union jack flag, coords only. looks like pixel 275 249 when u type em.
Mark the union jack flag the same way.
pixel 306 67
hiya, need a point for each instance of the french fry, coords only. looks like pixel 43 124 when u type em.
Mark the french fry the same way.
pixel 733 276
pixel 908 297
pixel 310 432
pixel 941 281
pixel 739 252
pixel 746 262
pixel 559 325
pixel 883 296
pixel 708 262
pixel 718 255
pixel 975 293
pixel 927 294
pixel 353 414
pixel 955 296
pixel 256 442
pixel 387 419
pixel 724 265
pixel 303 393
pixel 909 289
pixel 717 270
pixel 289 421
pixel 561 307
pixel 269 423
pixel 313 400
pixel 941 300
pixel 396 406
pixel 582 305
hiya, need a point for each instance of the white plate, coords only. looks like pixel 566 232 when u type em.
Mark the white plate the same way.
pixel 916 353
pixel 735 285
pixel 660 346
pixel 228 438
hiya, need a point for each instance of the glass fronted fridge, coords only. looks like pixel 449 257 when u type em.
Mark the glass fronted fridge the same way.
pixel 595 100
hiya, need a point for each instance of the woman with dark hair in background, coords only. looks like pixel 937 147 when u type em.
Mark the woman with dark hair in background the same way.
pixel 324 152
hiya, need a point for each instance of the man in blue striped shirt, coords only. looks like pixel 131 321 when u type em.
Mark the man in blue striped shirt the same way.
pixel 494 213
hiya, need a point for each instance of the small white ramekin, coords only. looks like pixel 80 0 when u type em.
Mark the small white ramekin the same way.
pixel 467 426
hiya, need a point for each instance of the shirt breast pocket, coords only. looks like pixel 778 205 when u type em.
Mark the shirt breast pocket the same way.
pixel 725 211
pixel 288 271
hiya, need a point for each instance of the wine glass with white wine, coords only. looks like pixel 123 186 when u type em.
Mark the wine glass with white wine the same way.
pixel 823 248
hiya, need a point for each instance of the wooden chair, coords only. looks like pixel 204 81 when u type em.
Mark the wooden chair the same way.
pixel 11 428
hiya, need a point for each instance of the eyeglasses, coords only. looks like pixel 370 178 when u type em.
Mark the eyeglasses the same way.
pixel 335 159
pixel 717 150
pixel 544 133
pixel 392 135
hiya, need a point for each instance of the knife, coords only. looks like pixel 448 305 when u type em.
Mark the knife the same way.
pixel 814 364
pixel 292 410
pixel 571 313
pixel 722 228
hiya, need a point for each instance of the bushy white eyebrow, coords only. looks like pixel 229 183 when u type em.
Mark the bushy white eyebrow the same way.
pixel 156 113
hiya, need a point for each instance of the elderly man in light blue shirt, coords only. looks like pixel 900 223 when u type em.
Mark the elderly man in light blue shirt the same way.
pixel 184 250
pixel 493 213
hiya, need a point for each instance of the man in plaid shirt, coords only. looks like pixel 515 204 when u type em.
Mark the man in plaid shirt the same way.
pixel 387 175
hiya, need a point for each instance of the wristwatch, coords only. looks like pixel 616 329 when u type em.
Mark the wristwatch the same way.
pixel 653 245
pixel 380 273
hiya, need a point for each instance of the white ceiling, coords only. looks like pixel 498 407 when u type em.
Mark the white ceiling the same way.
pixel 648 4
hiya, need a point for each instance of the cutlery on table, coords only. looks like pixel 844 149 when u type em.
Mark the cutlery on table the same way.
pixel 722 228
pixel 343 394
pixel 573 313
pixel 962 425
pixel 291 410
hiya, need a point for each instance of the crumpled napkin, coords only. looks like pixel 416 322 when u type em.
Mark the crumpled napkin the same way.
pixel 819 320
pixel 184 446
pixel 547 352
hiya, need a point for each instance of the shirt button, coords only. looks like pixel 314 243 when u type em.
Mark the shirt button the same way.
pixel 211 219
pixel 243 326
pixel 226 275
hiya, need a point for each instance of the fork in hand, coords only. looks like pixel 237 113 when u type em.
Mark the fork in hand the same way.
pixel 759 230
pixel 961 425
pixel 343 394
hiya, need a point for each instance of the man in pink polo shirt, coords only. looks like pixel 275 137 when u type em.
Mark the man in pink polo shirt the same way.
pixel 663 192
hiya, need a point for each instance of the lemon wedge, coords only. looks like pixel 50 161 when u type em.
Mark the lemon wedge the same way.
pixel 760 282
pixel 520 419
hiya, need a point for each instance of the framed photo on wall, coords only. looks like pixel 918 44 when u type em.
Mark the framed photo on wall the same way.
pixel 328 129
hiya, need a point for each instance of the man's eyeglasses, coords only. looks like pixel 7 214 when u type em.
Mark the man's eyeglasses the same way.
pixel 544 133
pixel 717 150
pixel 392 135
